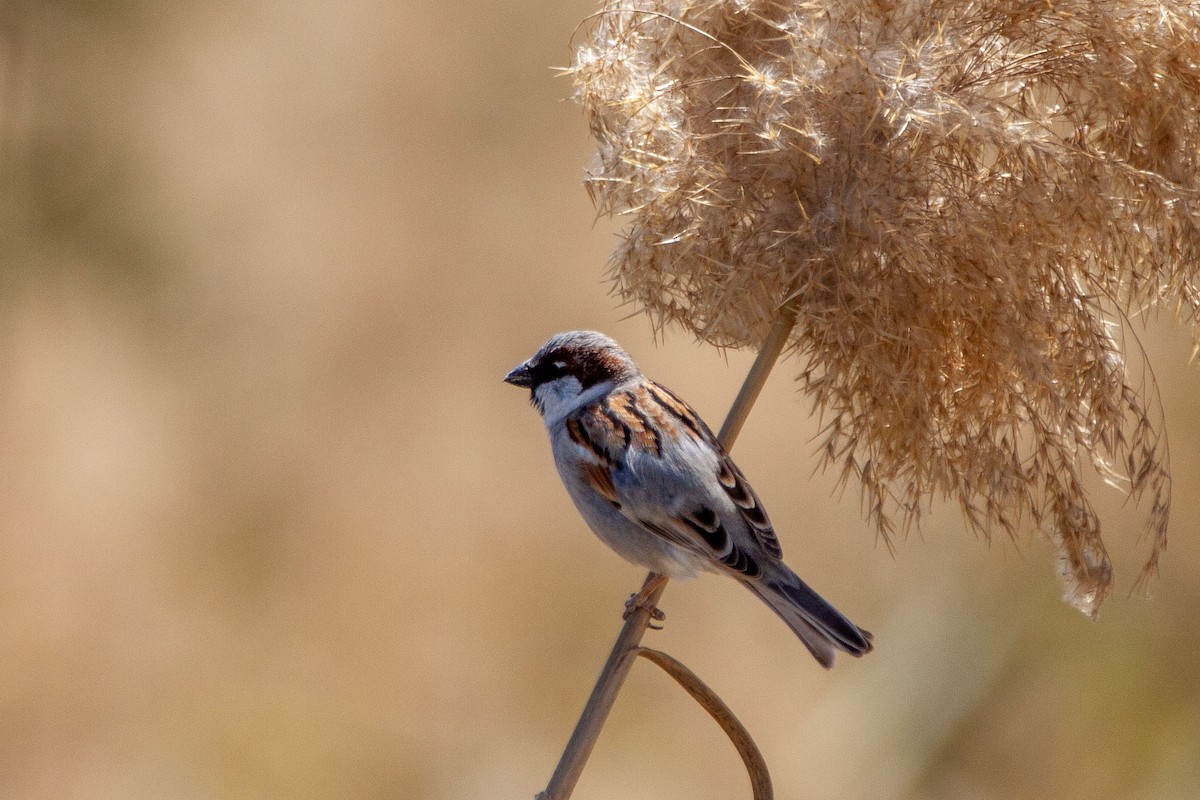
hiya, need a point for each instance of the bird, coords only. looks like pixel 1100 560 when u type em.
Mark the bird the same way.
pixel 654 484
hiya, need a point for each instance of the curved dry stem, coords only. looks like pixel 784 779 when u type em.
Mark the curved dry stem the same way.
pixel 620 658
pixel 760 779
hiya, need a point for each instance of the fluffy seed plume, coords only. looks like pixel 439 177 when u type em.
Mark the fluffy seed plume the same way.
pixel 965 203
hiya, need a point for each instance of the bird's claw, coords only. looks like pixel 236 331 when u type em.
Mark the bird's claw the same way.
pixel 639 600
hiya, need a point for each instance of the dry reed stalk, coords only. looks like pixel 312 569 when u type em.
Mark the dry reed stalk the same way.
pixel 969 200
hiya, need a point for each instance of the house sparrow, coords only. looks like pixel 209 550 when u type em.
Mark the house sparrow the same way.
pixel 657 487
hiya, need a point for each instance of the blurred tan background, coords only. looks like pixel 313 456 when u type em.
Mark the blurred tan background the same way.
pixel 271 526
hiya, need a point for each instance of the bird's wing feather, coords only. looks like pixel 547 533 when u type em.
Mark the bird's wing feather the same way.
pixel 710 510
pixel 730 478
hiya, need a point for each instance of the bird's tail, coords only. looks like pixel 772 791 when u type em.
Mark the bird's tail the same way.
pixel 821 627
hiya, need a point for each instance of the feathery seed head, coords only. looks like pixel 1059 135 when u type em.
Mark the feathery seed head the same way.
pixel 960 200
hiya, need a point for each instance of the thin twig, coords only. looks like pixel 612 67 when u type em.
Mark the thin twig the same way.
pixel 757 378
pixel 604 694
pixel 620 659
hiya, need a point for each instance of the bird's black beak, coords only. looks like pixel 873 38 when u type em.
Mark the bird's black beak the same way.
pixel 520 376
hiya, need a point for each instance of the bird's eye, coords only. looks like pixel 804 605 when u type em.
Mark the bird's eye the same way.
pixel 546 371
pixel 552 369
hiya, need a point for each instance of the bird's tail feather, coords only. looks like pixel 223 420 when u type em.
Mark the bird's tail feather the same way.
pixel 821 627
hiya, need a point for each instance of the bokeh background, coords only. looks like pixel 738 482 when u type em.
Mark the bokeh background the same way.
pixel 271 526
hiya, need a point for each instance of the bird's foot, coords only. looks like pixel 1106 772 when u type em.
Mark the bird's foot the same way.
pixel 642 600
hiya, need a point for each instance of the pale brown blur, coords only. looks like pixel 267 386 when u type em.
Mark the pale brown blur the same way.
pixel 272 526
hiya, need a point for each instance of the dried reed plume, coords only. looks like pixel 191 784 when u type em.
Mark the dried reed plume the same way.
pixel 964 203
